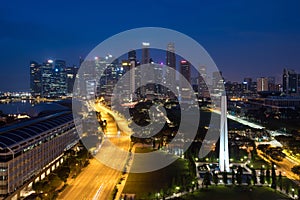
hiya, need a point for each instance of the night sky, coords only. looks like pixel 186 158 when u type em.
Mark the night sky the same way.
pixel 245 38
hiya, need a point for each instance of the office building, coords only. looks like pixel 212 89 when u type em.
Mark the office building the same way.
pixel 71 73
pixel 262 84
pixel 185 85
pixel 27 149
pixel 49 79
pixel 290 82
pixel 145 53
pixel 35 79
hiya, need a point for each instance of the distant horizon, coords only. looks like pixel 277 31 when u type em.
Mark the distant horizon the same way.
pixel 278 78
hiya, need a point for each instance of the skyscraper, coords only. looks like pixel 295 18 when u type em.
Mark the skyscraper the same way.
pixel 169 73
pixel 271 83
pixel 262 84
pixel 46 77
pixel 289 82
pixel 224 153
pixel 71 73
pixel 185 70
pixel 58 79
pixel 171 58
pixel 132 60
pixel 35 79
pixel 145 53
pixel 49 79
pixel 185 88
pixel 248 83
pixel 202 83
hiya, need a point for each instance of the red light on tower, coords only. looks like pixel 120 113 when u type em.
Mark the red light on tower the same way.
pixel 183 61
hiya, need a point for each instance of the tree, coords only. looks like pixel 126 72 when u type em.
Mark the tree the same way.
pixel 239 175
pixel 268 176
pixel 280 180
pixel 54 181
pixel 37 186
pixel 296 170
pixel 206 179
pixel 248 180
pixel 262 176
pixel 274 184
pixel 215 178
pixel 63 173
pixel 287 188
pixel 225 178
pixel 233 177
pixel 253 176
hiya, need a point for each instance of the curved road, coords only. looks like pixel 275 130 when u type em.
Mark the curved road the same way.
pixel 97 181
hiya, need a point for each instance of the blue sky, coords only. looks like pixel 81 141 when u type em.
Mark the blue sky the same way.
pixel 245 38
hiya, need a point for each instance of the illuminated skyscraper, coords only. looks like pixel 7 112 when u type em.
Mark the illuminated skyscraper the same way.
pixel 171 58
pixel 289 81
pixel 185 70
pixel 58 83
pixel 132 60
pixel 48 79
pixel 145 53
pixel 224 153
pixel 35 79
pixel 262 84
pixel 71 73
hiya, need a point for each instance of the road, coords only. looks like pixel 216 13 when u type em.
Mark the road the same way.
pixel 284 166
pixel 97 180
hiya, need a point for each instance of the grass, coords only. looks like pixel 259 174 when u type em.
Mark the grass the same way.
pixel 235 193
pixel 291 184
pixel 257 162
pixel 145 185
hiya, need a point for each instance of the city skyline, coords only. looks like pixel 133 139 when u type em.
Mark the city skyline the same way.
pixel 260 38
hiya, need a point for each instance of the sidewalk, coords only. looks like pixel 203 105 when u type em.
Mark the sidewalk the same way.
pixel 124 177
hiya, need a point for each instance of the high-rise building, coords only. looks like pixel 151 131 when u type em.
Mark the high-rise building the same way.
pixel 171 58
pixel 271 83
pixel 58 79
pixel 132 60
pixel 49 79
pixel 185 70
pixel 262 84
pixel 169 72
pixel 202 83
pixel 35 79
pixel 217 83
pixel 46 73
pixel 289 82
pixel 71 73
pixel 248 84
pixel 145 53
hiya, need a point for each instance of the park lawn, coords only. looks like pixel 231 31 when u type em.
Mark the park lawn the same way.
pixel 235 193
pixel 145 185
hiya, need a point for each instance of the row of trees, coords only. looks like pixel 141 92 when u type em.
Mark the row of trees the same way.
pixel 71 167
pixel 266 176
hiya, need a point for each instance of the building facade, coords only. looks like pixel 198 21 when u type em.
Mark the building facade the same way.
pixel 27 148
pixel 49 79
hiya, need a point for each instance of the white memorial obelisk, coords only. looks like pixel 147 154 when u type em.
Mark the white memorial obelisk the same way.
pixel 224 153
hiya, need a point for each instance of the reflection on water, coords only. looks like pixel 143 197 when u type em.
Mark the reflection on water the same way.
pixel 16 107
